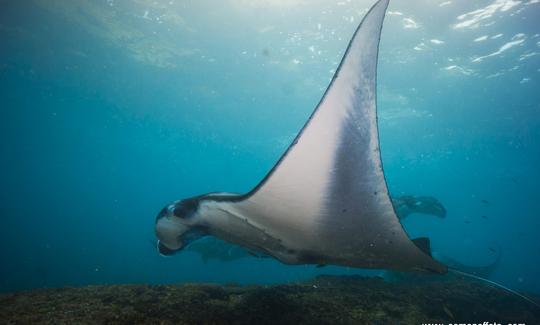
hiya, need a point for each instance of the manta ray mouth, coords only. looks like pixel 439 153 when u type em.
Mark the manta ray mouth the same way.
pixel 166 251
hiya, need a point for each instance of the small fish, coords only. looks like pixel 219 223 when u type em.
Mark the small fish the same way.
pixel 448 312
pixel 485 201
pixel 467 221
pixel 320 265
pixel 514 180
pixel 492 249
pixel 485 217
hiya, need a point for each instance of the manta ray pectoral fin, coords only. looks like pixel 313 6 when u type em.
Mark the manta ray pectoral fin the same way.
pixel 327 195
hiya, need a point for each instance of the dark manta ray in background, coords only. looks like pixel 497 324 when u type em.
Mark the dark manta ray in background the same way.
pixel 326 200
pixel 408 204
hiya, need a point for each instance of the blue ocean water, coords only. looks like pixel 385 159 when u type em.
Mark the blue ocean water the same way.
pixel 112 109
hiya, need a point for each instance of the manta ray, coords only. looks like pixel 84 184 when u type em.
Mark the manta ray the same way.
pixel 406 205
pixel 326 200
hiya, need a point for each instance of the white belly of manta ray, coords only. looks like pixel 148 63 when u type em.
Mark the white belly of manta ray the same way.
pixel 326 200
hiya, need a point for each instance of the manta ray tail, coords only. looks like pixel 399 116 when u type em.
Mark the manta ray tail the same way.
pixel 495 284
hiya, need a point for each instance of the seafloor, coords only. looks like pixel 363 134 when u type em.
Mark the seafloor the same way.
pixel 324 300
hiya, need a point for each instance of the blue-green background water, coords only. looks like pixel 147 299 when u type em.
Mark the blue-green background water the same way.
pixel 111 109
